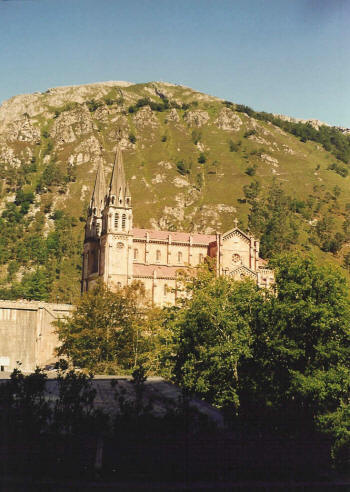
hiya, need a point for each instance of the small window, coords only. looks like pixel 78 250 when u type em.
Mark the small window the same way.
pixel 123 221
pixel 97 229
pixel 113 198
pixel 165 289
pixel 158 255
pixel 201 257
pixel 119 285
pixel 94 211
pixel 179 257
pixel 116 221
pixel 136 254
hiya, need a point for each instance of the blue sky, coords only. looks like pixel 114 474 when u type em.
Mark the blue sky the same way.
pixel 282 56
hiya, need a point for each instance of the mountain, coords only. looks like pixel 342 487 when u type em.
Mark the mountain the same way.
pixel 194 162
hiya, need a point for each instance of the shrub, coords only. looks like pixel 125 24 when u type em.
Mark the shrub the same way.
pixel 109 101
pixel 339 169
pixel 196 136
pixel 251 171
pixel 93 105
pixel 234 147
pixel 183 168
pixel 202 159
pixel 132 138
pixel 249 133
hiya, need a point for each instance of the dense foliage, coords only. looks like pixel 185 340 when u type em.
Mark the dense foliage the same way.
pixel 111 332
pixel 42 257
pixel 277 360
pixel 331 138
pixel 281 220
pixel 280 359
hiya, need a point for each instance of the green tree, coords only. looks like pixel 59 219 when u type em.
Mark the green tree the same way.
pixel 214 333
pixel 107 331
pixel 300 371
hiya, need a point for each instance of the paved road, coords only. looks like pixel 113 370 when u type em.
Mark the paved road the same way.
pixel 161 394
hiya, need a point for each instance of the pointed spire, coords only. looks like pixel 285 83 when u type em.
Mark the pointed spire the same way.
pixel 99 193
pixel 118 186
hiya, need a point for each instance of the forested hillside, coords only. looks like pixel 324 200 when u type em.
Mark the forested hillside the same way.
pixel 193 161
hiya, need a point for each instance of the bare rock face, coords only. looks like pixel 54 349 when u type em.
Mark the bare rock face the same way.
pixel 197 117
pixel 258 139
pixel 269 160
pixel 159 178
pixel 165 164
pixel 8 156
pixel 145 117
pixel 225 209
pixel 23 130
pixel 228 120
pixel 87 150
pixel 101 113
pixel 288 150
pixel 180 182
pixel 173 116
pixel 13 109
pixel 71 124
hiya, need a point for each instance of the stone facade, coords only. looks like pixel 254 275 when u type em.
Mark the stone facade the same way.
pixel 27 334
pixel 118 253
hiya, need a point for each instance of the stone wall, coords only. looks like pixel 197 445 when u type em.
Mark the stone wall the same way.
pixel 27 333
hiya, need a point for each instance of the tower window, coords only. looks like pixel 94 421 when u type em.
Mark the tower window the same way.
pixel 113 198
pixel 179 257
pixel 123 221
pixel 158 255
pixel 97 229
pixel 165 289
pixel 116 221
pixel 136 254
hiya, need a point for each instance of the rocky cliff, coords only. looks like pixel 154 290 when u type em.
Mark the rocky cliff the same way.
pixel 188 157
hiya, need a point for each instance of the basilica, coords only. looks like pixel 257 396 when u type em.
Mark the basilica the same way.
pixel 119 253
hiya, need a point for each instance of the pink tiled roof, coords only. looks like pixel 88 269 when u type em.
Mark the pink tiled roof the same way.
pixel 183 237
pixel 163 271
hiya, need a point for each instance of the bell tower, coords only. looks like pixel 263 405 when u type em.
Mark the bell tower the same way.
pixel 116 265
pixel 93 229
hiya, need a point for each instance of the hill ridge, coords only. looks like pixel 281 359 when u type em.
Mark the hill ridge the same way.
pixel 192 160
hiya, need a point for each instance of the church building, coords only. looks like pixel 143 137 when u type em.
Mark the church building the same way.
pixel 119 253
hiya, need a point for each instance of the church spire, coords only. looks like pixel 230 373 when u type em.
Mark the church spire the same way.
pixel 118 189
pixel 99 193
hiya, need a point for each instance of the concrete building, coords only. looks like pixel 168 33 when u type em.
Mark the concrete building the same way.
pixel 118 253
pixel 27 333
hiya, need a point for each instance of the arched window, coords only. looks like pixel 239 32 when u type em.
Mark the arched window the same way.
pixel 123 221
pixel 165 289
pixel 158 255
pixel 201 257
pixel 113 198
pixel 136 254
pixel 116 221
pixel 97 229
pixel 119 285
pixel 179 257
